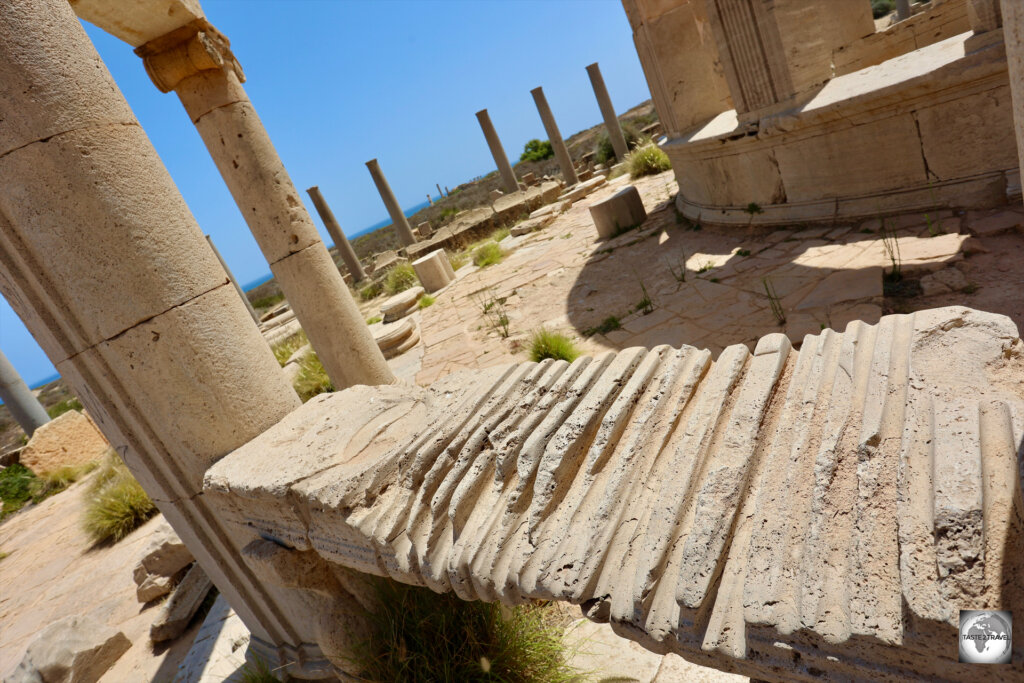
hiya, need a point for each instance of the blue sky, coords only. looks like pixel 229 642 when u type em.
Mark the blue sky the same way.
pixel 339 82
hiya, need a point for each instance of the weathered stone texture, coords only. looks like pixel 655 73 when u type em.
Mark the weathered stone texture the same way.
pixel 779 513
pixel 622 211
pixel 69 440
pixel 73 650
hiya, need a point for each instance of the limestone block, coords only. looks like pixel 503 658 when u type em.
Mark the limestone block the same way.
pixel 181 606
pixel 496 195
pixel 584 175
pixel 840 502
pixel 622 211
pixel 532 224
pixel 401 304
pixel 943 281
pixel 219 648
pixel 73 650
pixel 581 190
pixel 424 229
pixel 530 179
pixel 385 260
pixel 160 563
pixel 69 440
pixel 434 270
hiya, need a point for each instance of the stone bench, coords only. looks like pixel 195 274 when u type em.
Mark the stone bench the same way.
pixel 819 514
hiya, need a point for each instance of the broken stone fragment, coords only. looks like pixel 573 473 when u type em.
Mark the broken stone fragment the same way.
pixel 179 609
pixel 66 441
pixel 160 564
pixel 73 650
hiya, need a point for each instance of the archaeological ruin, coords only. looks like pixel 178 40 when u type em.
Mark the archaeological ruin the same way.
pixel 813 503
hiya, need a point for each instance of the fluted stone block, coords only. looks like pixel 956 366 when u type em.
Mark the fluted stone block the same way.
pixel 819 514
pixel 622 211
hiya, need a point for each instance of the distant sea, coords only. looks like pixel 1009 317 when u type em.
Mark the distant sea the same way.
pixel 359 233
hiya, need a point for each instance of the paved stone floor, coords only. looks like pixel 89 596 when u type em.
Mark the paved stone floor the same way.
pixel 564 279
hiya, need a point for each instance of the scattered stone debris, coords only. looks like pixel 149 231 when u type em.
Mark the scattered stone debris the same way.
pixel 161 565
pixel 179 609
pixel 73 650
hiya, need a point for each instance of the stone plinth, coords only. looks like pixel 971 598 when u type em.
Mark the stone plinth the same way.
pixel 620 212
pixel 855 149
pixel 397 338
pixel 424 230
pixel 434 270
pixel 788 515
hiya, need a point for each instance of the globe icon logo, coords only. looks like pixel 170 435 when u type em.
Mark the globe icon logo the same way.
pixel 986 637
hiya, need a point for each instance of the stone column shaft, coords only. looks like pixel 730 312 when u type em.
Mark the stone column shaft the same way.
pixel 398 219
pixel 902 9
pixel 1013 35
pixel 102 260
pixel 348 255
pixel 231 276
pixel 508 176
pixel 215 100
pixel 555 137
pixel 611 121
pixel 25 408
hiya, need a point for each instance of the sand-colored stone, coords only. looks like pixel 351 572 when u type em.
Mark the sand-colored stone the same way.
pixel 160 563
pixel 73 650
pixel 434 270
pixel 622 211
pixel 70 440
pixel 175 614
pixel 401 304
pixel 594 482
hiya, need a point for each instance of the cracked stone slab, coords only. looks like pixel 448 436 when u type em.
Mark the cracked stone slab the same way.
pixel 782 514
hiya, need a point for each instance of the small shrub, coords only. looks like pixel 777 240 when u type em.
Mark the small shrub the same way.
pixel 494 313
pixel 604 153
pixel 753 208
pixel 117 504
pixel 20 485
pixel 258 671
pixel 267 301
pixel 501 234
pixel 3 554
pixel 647 160
pixel 426 301
pixel 607 325
pixel 891 244
pixel 487 254
pixel 400 278
pixel 284 349
pixel 547 344
pixel 535 150
pixel 370 291
pixel 374 319
pixel 457 259
pixel 743 252
pixel 879 8
pixel 312 378
pixel 64 406
pixel 415 634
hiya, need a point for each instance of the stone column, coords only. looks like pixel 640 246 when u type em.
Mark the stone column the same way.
pixel 508 177
pixel 231 276
pixel 554 137
pixel 984 15
pixel 348 255
pixel 611 121
pixel 102 260
pixel 195 62
pixel 25 408
pixel 1013 35
pixel 439 192
pixel 902 10
pixel 398 219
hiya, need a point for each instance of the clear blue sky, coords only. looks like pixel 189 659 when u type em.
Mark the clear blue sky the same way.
pixel 339 82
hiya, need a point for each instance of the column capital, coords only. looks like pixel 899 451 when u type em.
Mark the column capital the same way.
pixel 186 51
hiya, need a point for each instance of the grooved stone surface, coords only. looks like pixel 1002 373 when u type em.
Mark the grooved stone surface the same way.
pixel 780 514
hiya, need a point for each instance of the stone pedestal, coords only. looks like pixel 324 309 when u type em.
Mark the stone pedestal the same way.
pixel 348 255
pixel 555 137
pixel 434 270
pixel 398 219
pixel 113 278
pixel 195 62
pixel 611 121
pixel 622 211
pixel 424 230
pixel 1013 33
pixel 234 282
pixel 508 176
pixel 18 399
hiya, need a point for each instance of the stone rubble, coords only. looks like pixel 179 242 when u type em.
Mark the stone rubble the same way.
pixel 776 513
pixel 73 650
pixel 177 612
pixel 66 441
